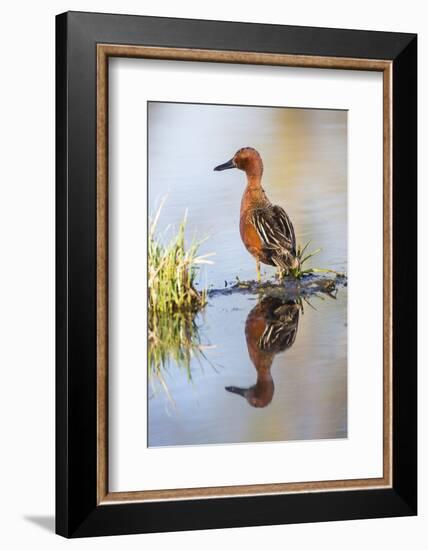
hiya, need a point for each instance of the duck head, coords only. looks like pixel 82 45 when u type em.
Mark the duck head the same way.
pixel 246 159
pixel 259 395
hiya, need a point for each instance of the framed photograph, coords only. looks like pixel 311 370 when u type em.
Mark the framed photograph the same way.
pixel 236 241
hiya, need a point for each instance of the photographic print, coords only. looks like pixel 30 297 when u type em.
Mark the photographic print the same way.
pixel 247 261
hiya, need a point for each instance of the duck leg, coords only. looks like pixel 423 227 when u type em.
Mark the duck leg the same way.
pixel 259 278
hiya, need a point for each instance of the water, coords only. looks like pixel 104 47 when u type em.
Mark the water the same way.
pixel 297 390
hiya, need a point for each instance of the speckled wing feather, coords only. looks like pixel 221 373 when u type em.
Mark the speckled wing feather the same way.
pixel 285 223
pixel 276 233
pixel 278 336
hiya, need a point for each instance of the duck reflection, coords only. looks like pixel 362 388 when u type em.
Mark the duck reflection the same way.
pixel 270 328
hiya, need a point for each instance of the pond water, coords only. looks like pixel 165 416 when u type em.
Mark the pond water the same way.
pixel 237 391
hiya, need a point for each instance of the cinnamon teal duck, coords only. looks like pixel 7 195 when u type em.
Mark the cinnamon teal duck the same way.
pixel 266 230
pixel 270 328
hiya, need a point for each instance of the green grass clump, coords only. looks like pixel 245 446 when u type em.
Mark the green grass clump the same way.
pixel 172 271
pixel 173 302
pixel 298 272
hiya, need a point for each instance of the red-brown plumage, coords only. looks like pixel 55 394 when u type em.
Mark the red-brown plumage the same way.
pixel 266 230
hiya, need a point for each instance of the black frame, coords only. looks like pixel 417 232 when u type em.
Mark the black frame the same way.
pixel 77 513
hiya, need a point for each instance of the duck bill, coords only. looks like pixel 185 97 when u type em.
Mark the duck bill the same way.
pixel 226 166
pixel 238 391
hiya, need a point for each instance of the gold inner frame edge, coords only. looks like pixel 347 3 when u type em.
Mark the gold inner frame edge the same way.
pixel 104 51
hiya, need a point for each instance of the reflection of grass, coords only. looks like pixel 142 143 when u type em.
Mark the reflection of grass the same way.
pixel 298 272
pixel 173 340
pixel 172 271
pixel 173 302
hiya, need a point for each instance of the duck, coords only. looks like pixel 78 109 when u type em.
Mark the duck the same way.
pixel 266 229
pixel 270 328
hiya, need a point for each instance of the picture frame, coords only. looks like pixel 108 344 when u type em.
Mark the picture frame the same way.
pixel 84 44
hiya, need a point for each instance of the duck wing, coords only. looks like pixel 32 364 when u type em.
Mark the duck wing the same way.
pixel 285 224
pixel 274 229
pixel 279 335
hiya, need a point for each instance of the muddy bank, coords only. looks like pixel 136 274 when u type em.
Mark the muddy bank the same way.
pixel 289 288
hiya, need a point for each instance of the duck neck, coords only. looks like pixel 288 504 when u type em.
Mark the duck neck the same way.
pixel 254 181
pixel 254 194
